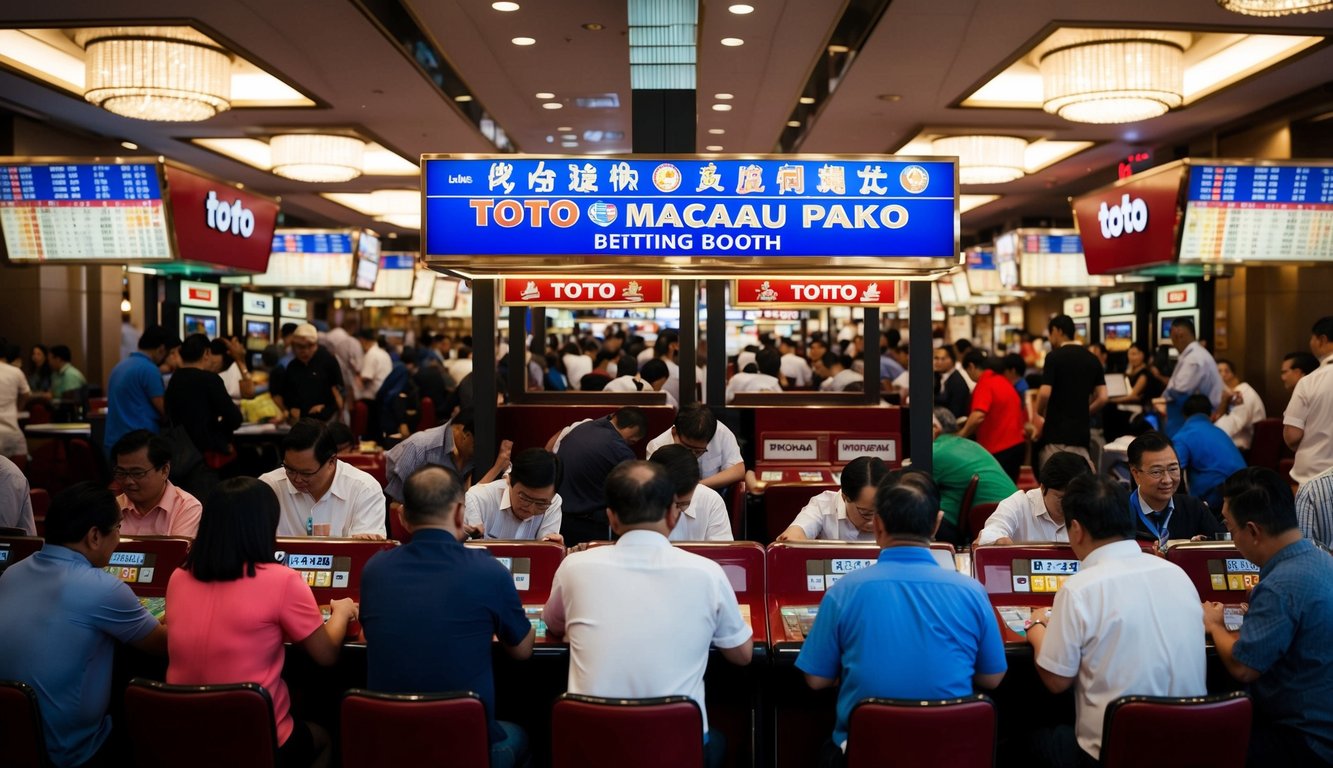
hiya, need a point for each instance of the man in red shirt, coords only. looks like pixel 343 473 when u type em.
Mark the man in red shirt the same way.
pixel 996 419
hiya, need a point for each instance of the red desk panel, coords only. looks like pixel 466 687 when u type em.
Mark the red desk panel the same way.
pixel 147 562
pixel 332 567
pixel 743 562
pixel 15 548
pixel 1219 571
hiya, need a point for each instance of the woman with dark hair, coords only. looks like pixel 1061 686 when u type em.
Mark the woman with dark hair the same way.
pixel 233 607
pixel 39 369
pixel 847 514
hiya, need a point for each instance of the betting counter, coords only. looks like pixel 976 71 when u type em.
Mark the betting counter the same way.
pixel 1219 572
pixel 15 548
pixel 532 564
pixel 146 563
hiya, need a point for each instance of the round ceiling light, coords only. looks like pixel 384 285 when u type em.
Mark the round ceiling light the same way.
pixel 732 42
pixel 164 74
pixel 1114 76
pixel 984 159
pixel 316 157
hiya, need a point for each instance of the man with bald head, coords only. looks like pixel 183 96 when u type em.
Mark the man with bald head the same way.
pixel 430 607
pixel 665 603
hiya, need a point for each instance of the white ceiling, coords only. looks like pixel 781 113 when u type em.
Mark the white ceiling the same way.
pixel 930 53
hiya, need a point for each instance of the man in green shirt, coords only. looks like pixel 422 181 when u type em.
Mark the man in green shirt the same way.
pixel 956 459
pixel 67 382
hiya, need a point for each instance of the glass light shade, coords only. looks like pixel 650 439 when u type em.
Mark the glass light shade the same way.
pixel 984 159
pixel 1113 81
pixel 316 157
pixel 166 74
pixel 400 207
pixel 1275 7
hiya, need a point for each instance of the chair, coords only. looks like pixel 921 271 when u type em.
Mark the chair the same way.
pixel 1267 445
pixel 965 505
pixel 397 531
pixel 1205 730
pixel 947 732
pixel 41 501
pixel 977 517
pixel 371 463
pixel 21 726
pixel 39 412
pixel 360 419
pixel 429 418
pixel 394 729
pixel 204 726
pixel 591 732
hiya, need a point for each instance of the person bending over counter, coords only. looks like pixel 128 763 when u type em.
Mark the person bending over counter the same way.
pixel 843 515
pixel 703 513
pixel 522 505
pixel 1036 515
pixel 696 428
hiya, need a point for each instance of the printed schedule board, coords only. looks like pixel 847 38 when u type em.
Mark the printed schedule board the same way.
pixel 708 215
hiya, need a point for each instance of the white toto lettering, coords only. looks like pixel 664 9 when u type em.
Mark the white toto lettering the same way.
pixel 584 290
pixel 231 218
pixel 1127 218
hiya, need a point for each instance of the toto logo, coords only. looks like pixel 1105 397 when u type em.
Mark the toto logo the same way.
pixel 231 218
pixel 1127 218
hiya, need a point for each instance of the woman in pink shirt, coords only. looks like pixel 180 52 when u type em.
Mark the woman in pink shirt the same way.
pixel 232 608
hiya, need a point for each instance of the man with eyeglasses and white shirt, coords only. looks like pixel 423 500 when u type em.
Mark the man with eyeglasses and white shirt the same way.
pixel 703 513
pixel 1161 514
pixel 711 442
pixel 150 503
pixel 321 496
pixel 523 505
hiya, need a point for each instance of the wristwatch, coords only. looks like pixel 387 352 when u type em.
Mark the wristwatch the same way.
pixel 1032 623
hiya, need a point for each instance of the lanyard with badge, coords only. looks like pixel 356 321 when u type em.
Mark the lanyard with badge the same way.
pixel 1164 533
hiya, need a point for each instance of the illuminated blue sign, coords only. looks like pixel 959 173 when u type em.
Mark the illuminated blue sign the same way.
pixel 701 207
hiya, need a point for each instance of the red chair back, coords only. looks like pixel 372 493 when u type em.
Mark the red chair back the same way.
pixel 389 729
pixel 1209 730
pixel 360 419
pixel 969 494
pixel 205 726
pixel 977 517
pixel 373 463
pixel 15 548
pixel 1267 444
pixel 1027 480
pixel 21 726
pixel 39 412
pixel 41 501
pixel 429 417
pixel 397 531
pixel 950 732
pixel 589 732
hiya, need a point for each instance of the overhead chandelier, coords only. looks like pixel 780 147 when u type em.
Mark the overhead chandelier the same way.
pixel 1114 76
pixel 984 159
pixel 400 207
pixel 1275 7
pixel 316 157
pixel 166 74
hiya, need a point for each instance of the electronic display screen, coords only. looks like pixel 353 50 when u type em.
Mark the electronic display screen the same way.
pixel 1232 574
pixel 192 322
pixel 1117 335
pixel 1041 575
pixel 320 570
pixel 133 567
pixel 309 259
pixel 367 260
pixel 1164 320
pixel 83 212
pixel 1243 213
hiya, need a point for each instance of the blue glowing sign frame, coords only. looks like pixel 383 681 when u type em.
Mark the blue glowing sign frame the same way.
pixel 690 215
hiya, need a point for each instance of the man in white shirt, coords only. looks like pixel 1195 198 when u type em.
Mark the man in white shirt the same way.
pixel 321 496
pixel 666 604
pixel 703 513
pixel 795 369
pixel 348 353
pixel 375 365
pixel 1195 373
pixel 1241 407
pixel 523 505
pixel 14 392
pixel 1036 515
pixel 1127 624
pixel 15 498
pixel 847 514
pixel 696 428
pixel 769 362
pixel 652 377
pixel 1307 425
pixel 835 372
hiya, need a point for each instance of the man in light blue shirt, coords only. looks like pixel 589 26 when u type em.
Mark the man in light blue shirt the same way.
pixel 63 618
pixel 135 390
pixel 870 632
pixel 1195 374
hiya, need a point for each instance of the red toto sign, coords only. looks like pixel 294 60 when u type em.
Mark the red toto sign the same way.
pixel 1133 223
pixel 593 292
pixel 812 292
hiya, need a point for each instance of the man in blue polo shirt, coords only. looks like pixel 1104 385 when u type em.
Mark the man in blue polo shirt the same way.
pixel 1206 453
pixel 63 615
pixel 430 608
pixel 870 633
pixel 1284 649
pixel 134 390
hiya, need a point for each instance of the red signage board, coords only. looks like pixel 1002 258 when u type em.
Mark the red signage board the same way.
pixel 1132 223
pixel 591 292
pixel 220 225
pixel 812 292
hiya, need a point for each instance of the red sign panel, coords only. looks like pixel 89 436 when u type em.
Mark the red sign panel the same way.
pixel 592 292
pixel 220 225
pixel 812 292
pixel 1133 223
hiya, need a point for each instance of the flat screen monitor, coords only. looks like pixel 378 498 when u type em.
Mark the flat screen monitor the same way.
pixel 1118 332
pixel 1250 212
pixel 84 211
pixel 1081 330
pixel 446 293
pixel 203 321
pixel 1164 320
pixel 258 332
pixel 310 258
pixel 367 260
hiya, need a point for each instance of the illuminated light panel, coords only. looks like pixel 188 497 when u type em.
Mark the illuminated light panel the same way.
pixel 375 160
pixel 505 7
pixel 545 95
pixel 970 202
pixel 717 131
pixel 524 41
pixel 732 42
pixel 553 105
pixel 740 9
pixel 1039 155
pixel 721 107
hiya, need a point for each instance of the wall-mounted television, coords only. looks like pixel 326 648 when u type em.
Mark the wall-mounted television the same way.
pixel 1118 332
pixel 396 278
pixel 205 321
pixel 367 260
pixel 258 332
pixel 310 258
pixel 1258 212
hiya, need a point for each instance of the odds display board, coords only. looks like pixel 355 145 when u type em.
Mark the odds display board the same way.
pixel 690 215
pixel 1258 212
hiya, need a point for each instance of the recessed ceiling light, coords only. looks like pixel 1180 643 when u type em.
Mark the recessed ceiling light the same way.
pixel 462 97
pixel 807 100
pixel 838 49
pixel 740 9
pixel 732 42
pixel 545 95
pixel 793 123
pixel 523 41
pixel 564 129
pixel 723 96
pixel 717 131
pixel 505 7
pixel 714 148
pixel 129 145
pixel 721 107
pixel 889 97
pixel 553 105
pixel 593 26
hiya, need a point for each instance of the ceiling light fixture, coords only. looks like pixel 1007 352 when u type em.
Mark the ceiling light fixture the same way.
pixel 740 9
pixel 723 96
pixel 317 157
pixel 806 100
pixel 793 123
pixel 524 41
pixel 165 74
pixel 129 145
pixel 553 105
pixel 505 7
pixel 564 129
pixel 717 131
pixel 721 107
pixel 593 26
pixel 545 95
pixel 732 42
pixel 713 148
pixel 984 159
pixel 837 49
pixel 400 207
pixel 462 98
pixel 1275 7
pixel 1115 76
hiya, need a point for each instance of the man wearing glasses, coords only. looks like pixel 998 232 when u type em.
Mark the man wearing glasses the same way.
pixel 703 513
pixel 319 495
pixel 713 444
pixel 1162 514
pixel 150 503
pixel 523 505
pixel 312 384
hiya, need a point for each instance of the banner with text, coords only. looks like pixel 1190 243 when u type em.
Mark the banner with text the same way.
pixel 594 292
pixel 813 292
